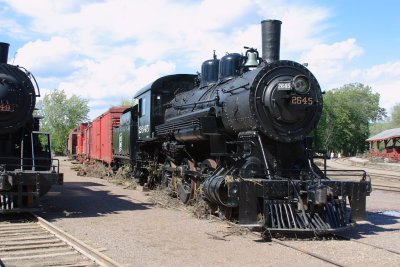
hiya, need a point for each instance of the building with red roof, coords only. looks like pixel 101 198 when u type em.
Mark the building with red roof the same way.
pixel 385 144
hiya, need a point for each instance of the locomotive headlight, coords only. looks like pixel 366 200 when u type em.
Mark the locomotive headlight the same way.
pixel 301 85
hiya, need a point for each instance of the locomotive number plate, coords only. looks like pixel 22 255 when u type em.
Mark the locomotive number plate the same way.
pixel 144 129
pixel 301 100
pixel 284 86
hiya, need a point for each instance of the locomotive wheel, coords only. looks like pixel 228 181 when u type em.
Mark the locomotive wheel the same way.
pixel 208 165
pixel 189 164
pixel 187 188
pixel 251 167
pixel 184 193
pixel 166 179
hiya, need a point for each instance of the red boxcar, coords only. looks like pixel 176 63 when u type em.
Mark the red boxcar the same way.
pixel 98 135
pixel 72 142
pixel 86 140
pixel 81 139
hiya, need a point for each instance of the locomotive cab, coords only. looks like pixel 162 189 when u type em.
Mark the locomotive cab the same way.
pixel 125 137
pixel 152 100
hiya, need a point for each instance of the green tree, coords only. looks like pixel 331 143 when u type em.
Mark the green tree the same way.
pixel 128 102
pixel 391 122
pixel 345 119
pixel 395 117
pixel 379 126
pixel 61 115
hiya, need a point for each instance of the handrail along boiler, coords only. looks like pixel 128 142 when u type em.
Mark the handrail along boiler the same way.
pixel 27 169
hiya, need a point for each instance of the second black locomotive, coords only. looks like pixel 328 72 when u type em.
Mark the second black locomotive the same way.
pixel 27 169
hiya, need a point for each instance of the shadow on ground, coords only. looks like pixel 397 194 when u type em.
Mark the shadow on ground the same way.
pixel 375 223
pixel 85 199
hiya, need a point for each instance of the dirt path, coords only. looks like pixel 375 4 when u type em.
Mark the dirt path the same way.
pixel 134 232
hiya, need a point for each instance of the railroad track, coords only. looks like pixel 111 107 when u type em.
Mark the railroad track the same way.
pixel 323 258
pixel 310 253
pixel 328 260
pixel 28 240
pixel 392 182
pixel 369 244
pixel 389 176
pixel 374 176
pixel 380 181
pixel 304 251
pixel 388 188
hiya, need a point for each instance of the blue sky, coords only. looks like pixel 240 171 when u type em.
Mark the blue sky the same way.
pixel 106 50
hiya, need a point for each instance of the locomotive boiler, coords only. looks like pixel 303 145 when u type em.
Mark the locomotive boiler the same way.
pixel 26 165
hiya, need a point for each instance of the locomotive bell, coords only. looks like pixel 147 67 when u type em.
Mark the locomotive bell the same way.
pixel 252 59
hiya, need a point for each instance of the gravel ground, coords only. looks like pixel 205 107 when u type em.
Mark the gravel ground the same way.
pixel 128 228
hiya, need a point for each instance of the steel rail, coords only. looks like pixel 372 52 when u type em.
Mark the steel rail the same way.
pixel 78 245
pixel 274 240
pixel 24 242
pixel 312 254
pixel 370 245
pixel 389 188
pixel 384 176
pixel 325 259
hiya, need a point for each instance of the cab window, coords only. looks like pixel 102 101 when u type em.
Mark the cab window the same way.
pixel 142 107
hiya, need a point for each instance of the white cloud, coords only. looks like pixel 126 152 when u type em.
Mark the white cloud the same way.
pixel 302 24
pixel 58 56
pixel 44 6
pixel 144 74
pixel 114 77
pixel 115 47
pixel 334 53
pixel 328 62
pixel 106 50
pixel 384 79
pixel 10 28
pixel 386 71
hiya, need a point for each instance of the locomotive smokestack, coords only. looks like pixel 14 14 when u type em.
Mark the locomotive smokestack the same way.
pixel 271 39
pixel 4 52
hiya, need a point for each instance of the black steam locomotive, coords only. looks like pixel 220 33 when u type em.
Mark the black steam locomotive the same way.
pixel 26 165
pixel 239 135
